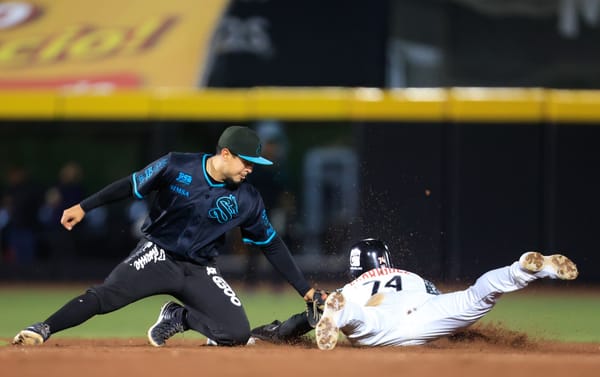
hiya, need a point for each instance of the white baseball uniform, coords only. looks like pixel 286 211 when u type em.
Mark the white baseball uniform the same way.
pixel 382 280
pixel 395 317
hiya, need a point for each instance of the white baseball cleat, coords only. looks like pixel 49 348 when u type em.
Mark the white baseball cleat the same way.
pixel 552 266
pixel 34 335
pixel 327 331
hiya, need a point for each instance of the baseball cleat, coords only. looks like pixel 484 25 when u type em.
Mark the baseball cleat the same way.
pixel 552 266
pixel 35 334
pixel 169 323
pixel 212 343
pixel 268 332
pixel 327 331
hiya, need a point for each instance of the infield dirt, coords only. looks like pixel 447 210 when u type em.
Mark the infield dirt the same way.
pixel 482 352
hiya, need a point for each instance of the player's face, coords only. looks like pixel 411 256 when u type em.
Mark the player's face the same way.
pixel 237 169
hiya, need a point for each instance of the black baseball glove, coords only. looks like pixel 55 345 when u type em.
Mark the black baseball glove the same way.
pixel 315 306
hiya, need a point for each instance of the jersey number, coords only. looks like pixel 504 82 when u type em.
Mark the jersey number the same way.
pixel 395 282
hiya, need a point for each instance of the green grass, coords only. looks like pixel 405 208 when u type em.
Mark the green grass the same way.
pixel 561 315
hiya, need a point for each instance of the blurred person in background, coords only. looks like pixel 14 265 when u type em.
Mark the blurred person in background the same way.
pixel 21 202
pixel 4 219
pixel 67 191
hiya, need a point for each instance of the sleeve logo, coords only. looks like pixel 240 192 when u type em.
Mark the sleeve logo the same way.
pixel 150 171
pixel 267 223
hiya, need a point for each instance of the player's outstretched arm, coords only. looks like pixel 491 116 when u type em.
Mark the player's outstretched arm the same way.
pixel 115 191
pixel 280 257
pixel 72 216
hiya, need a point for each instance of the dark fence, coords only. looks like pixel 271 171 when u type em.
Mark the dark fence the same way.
pixel 452 199
pixel 459 199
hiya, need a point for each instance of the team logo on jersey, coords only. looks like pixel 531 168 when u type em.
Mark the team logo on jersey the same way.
pixel 184 178
pixel 225 209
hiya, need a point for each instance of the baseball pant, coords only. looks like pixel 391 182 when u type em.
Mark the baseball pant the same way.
pixel 212 306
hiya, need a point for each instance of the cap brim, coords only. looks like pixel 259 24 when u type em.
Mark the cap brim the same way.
pixel 256 160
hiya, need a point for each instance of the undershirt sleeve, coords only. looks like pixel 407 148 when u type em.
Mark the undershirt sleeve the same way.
pixel 117 190
pixel 280 257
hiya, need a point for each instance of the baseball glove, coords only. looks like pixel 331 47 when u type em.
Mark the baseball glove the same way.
pixel 315 306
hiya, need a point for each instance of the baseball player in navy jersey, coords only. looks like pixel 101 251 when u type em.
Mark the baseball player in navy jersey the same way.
pixel 199 198
pixel 372 271
pixel 410 317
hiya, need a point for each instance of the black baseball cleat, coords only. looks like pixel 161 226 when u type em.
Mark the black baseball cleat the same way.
pixel 268 332
pixel 169 323
pixel 34 335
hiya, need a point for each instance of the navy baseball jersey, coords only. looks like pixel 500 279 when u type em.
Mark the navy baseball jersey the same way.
pixel 191 212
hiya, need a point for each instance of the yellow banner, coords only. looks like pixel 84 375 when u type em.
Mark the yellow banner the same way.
pixel 82 44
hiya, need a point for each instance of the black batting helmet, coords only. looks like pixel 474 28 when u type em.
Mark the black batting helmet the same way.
pixel 368 254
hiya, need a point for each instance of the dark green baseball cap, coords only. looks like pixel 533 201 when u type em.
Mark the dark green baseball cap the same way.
pixel 243 142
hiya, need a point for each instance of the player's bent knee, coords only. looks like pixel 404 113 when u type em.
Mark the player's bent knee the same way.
pixel 237 341
pixel 232 337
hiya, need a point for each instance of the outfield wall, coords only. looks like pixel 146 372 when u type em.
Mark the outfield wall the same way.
pixel 319 104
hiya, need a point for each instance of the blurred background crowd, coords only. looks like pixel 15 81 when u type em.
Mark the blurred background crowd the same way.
pixel 451 199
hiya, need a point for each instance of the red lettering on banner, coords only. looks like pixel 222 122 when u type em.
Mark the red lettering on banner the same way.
pixel 88 82
pixel 83 42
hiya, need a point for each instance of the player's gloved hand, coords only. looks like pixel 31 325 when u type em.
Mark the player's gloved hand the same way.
pixel 315 303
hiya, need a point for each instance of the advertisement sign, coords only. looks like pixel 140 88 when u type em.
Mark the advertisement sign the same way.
pixel 101 45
